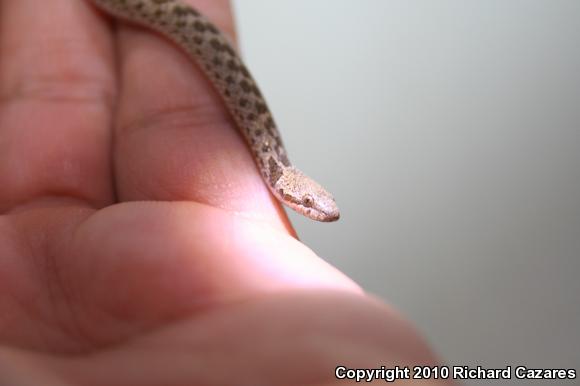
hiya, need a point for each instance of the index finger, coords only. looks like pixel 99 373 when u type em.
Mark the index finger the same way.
pixel 175 139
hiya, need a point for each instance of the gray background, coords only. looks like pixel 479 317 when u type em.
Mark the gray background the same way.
pixel 449 132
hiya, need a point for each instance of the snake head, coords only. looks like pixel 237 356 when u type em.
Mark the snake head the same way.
pixel 306 196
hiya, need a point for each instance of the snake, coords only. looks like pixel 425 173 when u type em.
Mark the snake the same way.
pixel 211 50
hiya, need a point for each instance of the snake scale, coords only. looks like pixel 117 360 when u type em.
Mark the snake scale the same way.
pixel 215 55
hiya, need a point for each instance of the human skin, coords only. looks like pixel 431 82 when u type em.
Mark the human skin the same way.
pixel 138 244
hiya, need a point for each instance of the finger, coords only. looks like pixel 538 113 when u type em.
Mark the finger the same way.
pixel 175 139
pixel 160 260
pixel 168 260
pixel 315 331
pixel 56 89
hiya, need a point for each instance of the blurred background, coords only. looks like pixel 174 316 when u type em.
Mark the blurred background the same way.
pixel 449 133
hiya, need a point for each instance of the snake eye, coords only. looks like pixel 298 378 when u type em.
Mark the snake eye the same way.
pixel 307 201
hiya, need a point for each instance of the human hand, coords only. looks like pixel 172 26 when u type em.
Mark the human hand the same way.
pixel 138 244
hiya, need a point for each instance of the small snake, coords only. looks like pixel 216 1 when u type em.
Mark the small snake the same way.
pixel 214 54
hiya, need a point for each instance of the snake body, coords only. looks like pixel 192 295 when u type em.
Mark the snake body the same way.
pixel 212 51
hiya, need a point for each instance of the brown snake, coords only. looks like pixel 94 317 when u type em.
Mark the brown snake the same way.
pixel 214 54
